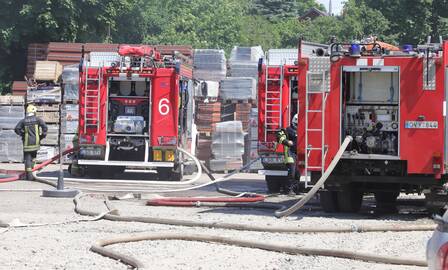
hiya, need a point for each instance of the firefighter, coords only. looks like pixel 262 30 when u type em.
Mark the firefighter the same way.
pixel 32 130
pixel 288 138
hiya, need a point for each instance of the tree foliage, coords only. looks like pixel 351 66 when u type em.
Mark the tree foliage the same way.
pixel 207 23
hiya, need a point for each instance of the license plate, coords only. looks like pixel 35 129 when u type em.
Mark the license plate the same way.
pixel 422 124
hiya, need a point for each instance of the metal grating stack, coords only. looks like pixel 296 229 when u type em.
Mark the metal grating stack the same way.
pixel 11 112
pixel 227 146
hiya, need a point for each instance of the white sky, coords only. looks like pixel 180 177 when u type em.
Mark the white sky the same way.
pixel 336 5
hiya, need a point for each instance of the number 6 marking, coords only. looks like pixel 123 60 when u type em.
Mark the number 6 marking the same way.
pixel 164 108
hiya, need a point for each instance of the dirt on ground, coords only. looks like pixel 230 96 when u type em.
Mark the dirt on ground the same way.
pixel 66 246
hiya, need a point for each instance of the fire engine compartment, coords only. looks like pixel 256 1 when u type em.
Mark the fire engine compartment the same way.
pixel 370 113
pixel 128 118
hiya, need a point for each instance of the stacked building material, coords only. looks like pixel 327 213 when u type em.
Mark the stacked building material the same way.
pixel 70 53
pixel 240 88
pixel 11 112
pixel 251 144
pixel 70 83
pixel 209 65
pixel 49 113
pixel 237 112
pixel 19 88
pixel 227 146
pixel 207 115
pixel 243 61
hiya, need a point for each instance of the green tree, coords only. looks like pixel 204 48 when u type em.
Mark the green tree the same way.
pixel 280 9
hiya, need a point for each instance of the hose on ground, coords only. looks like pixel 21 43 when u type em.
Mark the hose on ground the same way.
pixel 99 247
pixel 146 183
pixel 254 228
pixel 17 175
pixel 192 201
pixel 319 183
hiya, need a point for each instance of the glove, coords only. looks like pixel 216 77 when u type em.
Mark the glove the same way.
pixel 290 143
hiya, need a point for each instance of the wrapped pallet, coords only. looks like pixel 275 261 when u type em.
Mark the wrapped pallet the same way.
pixel 70 112
pixel 12 100
pixel 227 146
pixel 244 61
pixel 209 65
pixel 69 127
pixel 46 152
pixel 238 89
pixel 11 147
pixel 10 116
pixel 47 71
pixel 52 137
pixel 44 94
pixel 206 90
pixel 70 82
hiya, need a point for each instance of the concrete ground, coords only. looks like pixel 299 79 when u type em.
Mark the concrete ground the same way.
pixel 67 246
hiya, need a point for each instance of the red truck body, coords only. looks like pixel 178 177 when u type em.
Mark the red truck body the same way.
pixel 131 110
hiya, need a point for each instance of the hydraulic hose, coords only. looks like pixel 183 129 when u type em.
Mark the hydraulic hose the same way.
pixel 99 247
pixel 319 183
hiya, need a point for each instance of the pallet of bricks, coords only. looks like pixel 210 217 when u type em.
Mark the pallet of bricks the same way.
pixel 45 94
pixel 12 110
pixel 70 108
pixel 209 69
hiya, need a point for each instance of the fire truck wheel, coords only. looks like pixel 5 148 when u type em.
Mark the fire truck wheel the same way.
pixel 273 183
pixel 349 199
pixel 328 201
pixel 435 202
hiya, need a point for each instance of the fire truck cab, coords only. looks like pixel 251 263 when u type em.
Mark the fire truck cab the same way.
pixel 133 110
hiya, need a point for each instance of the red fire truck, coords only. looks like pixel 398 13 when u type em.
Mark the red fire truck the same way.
pixel 392 103
pixel 133 110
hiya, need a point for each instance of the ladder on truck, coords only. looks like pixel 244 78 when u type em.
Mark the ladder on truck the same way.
pixel 317 113
pixel 273 101
pixel 92 100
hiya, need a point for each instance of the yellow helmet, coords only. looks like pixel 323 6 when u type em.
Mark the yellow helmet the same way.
pixel 31 109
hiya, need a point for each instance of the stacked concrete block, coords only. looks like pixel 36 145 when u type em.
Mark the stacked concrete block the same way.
pixel 238 89
pixel 243 61
pixel 11 112
pixel 227 146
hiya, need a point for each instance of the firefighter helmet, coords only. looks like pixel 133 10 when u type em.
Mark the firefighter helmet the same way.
pixel 295 121
pixel 31 109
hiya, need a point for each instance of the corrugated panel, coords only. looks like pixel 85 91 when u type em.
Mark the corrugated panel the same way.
pixel 277 57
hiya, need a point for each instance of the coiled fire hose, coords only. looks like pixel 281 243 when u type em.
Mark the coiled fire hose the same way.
pixel 99 247
pixel 319 184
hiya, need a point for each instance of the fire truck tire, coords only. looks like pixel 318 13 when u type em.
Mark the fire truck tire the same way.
pixel 349 199
pixel 329 201
pixel 435 203
pixel 274 183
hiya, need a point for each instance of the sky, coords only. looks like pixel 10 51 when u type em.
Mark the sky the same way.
pixel 337 5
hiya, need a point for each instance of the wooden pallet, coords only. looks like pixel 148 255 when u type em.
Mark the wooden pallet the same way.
pixel 251 101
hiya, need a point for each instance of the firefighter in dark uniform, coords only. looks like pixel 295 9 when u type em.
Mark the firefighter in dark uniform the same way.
pixel 32 130
pixel 288 138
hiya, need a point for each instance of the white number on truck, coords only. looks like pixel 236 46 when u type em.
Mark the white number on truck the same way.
pixel 164 108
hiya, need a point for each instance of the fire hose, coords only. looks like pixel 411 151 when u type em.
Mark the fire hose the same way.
pixel 318 185
pixel 99 246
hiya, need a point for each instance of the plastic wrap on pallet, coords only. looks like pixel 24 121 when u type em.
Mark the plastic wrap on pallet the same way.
pixel 70 80
pixel 11 147
pixel 220 165
pixel 48 117
pixel 70 112
pixel 242 69
pixel 238 89
pixel 68 127
pixel 99 59
pixel 12 100
pixel 51 139
pixel 228 140
pixel 209 65
pixel 48 94
pixel 206 89
pixel 246 54
pixel 10 116
pixel 46 153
